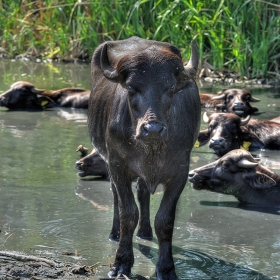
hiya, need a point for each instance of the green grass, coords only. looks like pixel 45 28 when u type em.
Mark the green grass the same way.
pixel 242 37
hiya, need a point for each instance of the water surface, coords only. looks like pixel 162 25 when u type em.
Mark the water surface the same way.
pixel 45 208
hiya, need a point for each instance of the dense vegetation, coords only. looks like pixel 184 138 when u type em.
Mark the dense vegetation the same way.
pixel 239 35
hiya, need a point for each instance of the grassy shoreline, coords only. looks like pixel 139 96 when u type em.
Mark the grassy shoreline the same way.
pixel 244 38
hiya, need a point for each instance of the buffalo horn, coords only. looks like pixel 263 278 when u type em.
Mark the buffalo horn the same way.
pixel 37 91
pixel 254 99
pixel 246 163
pixel 108 71
pixel 191 68
pixel 245 121
pixel 205 117
pixel 219 97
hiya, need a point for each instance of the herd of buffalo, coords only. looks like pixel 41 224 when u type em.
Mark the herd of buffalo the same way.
pixel 144 113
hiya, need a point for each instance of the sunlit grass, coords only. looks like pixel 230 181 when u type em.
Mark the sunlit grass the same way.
pixel 240 35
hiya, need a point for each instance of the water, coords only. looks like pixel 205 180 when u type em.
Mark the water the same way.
pixel 46 209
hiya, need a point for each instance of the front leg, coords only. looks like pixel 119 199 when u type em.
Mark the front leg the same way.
pixel 143 196
pixel 128 214
pixel 115 231
pixel 164 224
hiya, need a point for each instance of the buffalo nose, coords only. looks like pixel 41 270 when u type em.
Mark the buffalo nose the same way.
pixel 191 174
pixel 238 104
pixel 78 164
pixel 216 141
pixel 154 129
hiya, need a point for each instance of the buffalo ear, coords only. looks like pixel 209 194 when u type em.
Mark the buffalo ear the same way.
pixel 259 181
pixel 203 138
pixel 250 136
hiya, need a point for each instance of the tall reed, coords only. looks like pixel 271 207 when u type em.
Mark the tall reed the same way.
pixel 242 36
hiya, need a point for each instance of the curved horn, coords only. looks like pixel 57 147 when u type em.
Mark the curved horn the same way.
pixel 191 68
pixel 257 159
pixel 205 117
pixel 245 121
pixel 36 90
pixel 246 163
pixel 219 97
pixel 254 99
pixel 108 71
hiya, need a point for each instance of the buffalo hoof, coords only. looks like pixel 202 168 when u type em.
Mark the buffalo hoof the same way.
pixel 119 272
pixel 171 275
pixel 145 234
pixel 114 237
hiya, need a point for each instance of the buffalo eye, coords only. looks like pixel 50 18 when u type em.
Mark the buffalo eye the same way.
pixel 130 89
pixel 226 166
pixel 230 97
pixel 172 88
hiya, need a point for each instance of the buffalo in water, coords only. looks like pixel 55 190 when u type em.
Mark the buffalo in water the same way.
pixel 236 101
pixel 143 118
pixel 25 96
pixel 227 131
pixel 239 174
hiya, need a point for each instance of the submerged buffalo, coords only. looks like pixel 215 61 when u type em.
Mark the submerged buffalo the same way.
pixel 92 165
pixel 25 96
pixel 236 101
pixel 237 173
pixel 143 118
pixel 227 131
pixel 69 97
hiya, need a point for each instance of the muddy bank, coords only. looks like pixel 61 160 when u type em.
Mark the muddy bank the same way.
pixel 15 266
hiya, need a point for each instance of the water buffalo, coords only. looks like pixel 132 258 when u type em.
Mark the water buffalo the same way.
pixel 24 96
pixel 233 100
pixel 227 131
pixel 207 100
pixel 92 165
pixel 143 118
pixel 237 173
pixel 69 97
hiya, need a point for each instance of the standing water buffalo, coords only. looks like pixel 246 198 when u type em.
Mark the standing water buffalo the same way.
pixel 143 118
pixel 227 131
pixel 23 95
pixel 237 173
pixel 236 101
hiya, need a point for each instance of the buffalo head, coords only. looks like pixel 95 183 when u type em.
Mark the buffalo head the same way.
pixel 224 133
pixel 150 96
pixel 24 95
pixel 237 101
pixel 92 165
pixel 237 173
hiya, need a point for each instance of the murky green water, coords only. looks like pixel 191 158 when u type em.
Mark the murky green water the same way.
pixel 45 208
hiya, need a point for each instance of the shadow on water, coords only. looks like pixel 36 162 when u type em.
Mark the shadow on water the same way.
pixel 190 263
pixel 233 204
pixel 194 264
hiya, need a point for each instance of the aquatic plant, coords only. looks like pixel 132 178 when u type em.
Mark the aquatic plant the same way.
pixel 242 37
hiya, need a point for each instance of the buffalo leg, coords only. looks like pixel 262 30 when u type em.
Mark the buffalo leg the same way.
pixel 164 224
pixel 143 196
pixel 129 216
pixel 115 231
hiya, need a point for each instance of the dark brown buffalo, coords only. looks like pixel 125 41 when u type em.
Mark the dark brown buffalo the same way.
pixel 92 165
pixel 227 131
pixel 237 173
pixel 143 118
pixel 69 97
pixel 23 95
pixel 233 100
pixel 207 100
